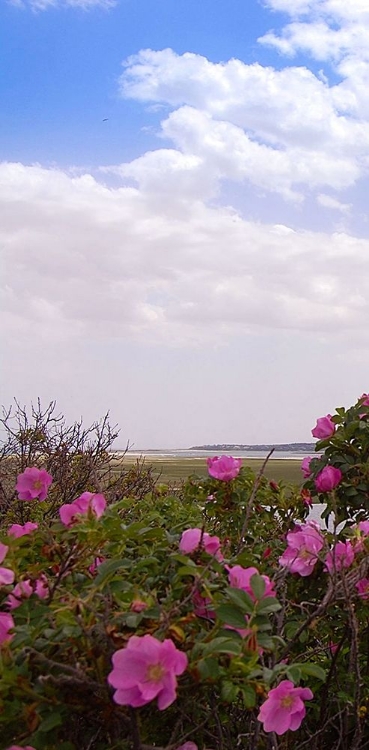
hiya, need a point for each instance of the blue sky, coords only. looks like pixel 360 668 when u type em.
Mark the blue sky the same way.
pixel 214 229
pixel 61 66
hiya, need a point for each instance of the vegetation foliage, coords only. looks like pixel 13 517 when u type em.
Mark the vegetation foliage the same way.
pixel 267 615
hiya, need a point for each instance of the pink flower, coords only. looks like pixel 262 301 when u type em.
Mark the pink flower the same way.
pixel 25 589
pixel 305 466
pixel 284 708
pixel 304 545
pixel 328 479
pixel 224 468
pixel 201 606
pixel 324 428
pixel 364 396
pixel 18 747
pixel 363 588
pixel 363 527
pixel 188 746
pixel 146 669
pixel 361 530
pixel 95 564
pixel 341 556
pixel 33 483
pixel 137 605
pixel 17 530
pixel 239 578
pixel 191 538
pixel 79 507
pixel 249 636
pixel 6 624
pixel 6 575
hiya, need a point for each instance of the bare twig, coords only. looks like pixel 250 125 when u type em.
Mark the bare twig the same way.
pixel 252 497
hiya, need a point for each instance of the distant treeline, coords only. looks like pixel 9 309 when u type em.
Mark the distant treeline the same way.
pixel 292 447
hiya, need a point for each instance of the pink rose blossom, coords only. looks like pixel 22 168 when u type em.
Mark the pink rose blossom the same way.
pixel 33 483
pixel 341 556
pixel 364 396
pixel 79 507
pixel 191 539
pixel 363 527
pixel 25 589
pixel 6 624
pixel 201 606
pixel 305 466
pixel 17 530
pixel 324 428
pixel 240 578
pixel 284 708
pixel 6 575
pixel 361 530
pixel 146 669
pixel 328 479
pixel 188 746
pixel 19 747
pixel 249 636
pixel 304 545
pixel 137 605
pixel 95 564
pixel 224 468
pixel 333 647
pixel 363 588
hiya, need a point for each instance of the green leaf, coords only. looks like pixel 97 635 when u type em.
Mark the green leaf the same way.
pixel 229 692
pixel 249 696
pixel 268 605
pixel 108 568
pixel 313 670
pixel 51 721
pixel 208 668
pixel 258 586
pixel 223 646
pixel 231 615
pixel 242 600
pixel 294 674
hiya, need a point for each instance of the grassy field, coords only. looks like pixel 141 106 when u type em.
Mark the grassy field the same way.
pixel 174 470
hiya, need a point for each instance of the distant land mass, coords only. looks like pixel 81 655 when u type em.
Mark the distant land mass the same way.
pixel 291 447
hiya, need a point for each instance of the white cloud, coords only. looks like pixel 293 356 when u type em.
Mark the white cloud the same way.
pixel 82 259
pixel 285 131
pixel 327 29
pixel 328 201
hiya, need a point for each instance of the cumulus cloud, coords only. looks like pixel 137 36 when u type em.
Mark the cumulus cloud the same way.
pixel 85 259
pixel 328 29
pixel 285 130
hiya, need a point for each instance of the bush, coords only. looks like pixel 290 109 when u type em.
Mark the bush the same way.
pixel 78 458
pixel 214 619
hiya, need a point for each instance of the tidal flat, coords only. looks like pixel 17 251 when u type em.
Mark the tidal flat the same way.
pixel 174 470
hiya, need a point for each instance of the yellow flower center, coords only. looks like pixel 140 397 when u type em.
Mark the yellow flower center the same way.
pixel 155 672
pixel 287 701
pixel 37 484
